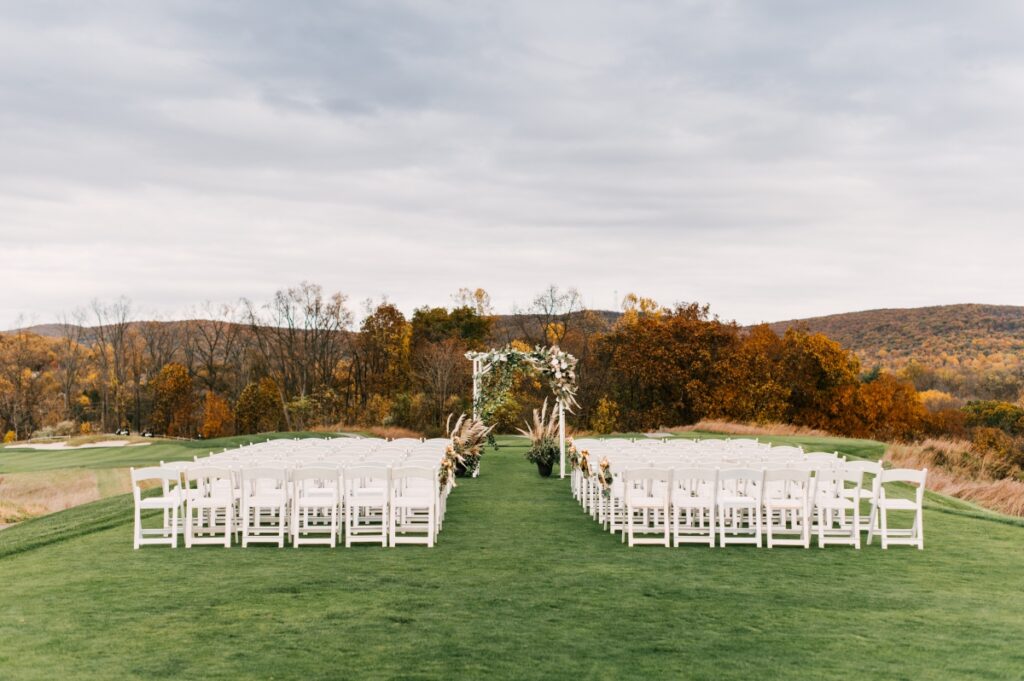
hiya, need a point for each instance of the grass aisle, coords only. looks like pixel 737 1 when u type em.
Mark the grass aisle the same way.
pixel 521 585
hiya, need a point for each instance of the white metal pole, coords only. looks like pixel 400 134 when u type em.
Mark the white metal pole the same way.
pixel 561 437
pixel 476 389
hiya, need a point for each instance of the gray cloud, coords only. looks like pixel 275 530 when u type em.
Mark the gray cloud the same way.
pixel 775 159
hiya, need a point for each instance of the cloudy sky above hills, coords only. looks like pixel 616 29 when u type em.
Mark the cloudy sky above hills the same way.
pixel 777 160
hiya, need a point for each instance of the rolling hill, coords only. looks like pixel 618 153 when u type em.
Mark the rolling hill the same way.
pixel 971 350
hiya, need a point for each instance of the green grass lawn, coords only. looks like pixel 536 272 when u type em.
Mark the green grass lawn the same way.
pixel 522 585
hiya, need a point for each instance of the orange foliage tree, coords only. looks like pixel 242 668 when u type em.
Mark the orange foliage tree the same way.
pixel 217 416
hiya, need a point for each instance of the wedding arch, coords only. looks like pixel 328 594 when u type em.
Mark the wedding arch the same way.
pixel 558 367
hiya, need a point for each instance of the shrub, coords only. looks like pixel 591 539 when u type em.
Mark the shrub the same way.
pixel 10 436
pixel 1001 455
pixel 377 411
pixel 606 416
pixel 992 414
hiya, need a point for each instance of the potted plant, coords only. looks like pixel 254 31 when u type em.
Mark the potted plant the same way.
pixel 543 433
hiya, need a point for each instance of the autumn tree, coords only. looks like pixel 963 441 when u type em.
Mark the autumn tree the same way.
pixel 754 385
pixel 299 338
pixel 819 373
pixel 173 401
pixel 259 408
pixel 383 352
pixel 112 353
pixel 217 416
pixel 664 364
pixel 71 363
pixel 25 381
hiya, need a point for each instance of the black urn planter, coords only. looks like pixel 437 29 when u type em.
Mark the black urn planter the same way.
pixel 461 471
pixel 545 468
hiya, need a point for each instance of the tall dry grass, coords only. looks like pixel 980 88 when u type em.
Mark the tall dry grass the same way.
pixel 390 432
pixel 957 470
pixel 26 495
pixel 728 427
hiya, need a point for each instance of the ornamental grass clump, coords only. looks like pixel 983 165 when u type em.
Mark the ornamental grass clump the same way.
pixel 468 438
pixel 543 433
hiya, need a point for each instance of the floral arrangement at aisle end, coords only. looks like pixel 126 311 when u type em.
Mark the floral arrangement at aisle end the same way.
pixel 446 473
pixel 468 438
pixel 604 477
pixel 572 453
pixel 585 463
pixel 543 433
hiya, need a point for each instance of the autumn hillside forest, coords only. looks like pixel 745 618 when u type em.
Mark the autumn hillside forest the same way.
pixel 299 362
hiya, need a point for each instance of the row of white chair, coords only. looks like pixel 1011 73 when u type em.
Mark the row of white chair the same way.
pixel 742 494
pixel 256 497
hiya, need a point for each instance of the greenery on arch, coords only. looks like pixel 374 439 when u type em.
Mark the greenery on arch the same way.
pixel 500 367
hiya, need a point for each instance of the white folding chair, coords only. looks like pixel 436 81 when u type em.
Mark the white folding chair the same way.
pixel 647 501
pixel 740 498
pixel 412 515
pixel 366 503
pixel 693 505
pixel 209 505
pixel 264 505
pixel 169 501
pixel 316 498
pixel 869 489
pixel 838 493
pixel 914 535
pixel 788 496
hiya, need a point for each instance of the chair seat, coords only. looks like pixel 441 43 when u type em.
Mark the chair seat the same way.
pixel 898 504
pixel 159 502
pixel 736 501
pixel 687 501
pixel 837 504
pixel 645 502
pixel 368 498
pixel 271 499
pixel 413 501
pixel 784 503
pixel 215 501
pixel 316 500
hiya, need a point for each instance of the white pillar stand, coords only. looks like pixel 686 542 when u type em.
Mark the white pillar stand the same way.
pixel 561 438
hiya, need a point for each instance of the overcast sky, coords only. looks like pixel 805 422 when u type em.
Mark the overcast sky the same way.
pixel 775 159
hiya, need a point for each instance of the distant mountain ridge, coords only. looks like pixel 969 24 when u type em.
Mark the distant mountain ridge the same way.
pixel 963 335
pixel 982 336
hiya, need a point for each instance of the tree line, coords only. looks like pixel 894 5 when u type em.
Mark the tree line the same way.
pixel 298 362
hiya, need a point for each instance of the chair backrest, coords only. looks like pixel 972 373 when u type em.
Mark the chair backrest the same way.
pixel 695 481
pixel 650 482
pixel 265 479
pixel 788 483
pixel 365 475
pixel 786 450
pixel 748 482
pixel 417 480
pixel 822 457
pixel 833 482
pixel 638 473
pixel 319 478
pixel 904 475
pixel 209 480
pixel 165 476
